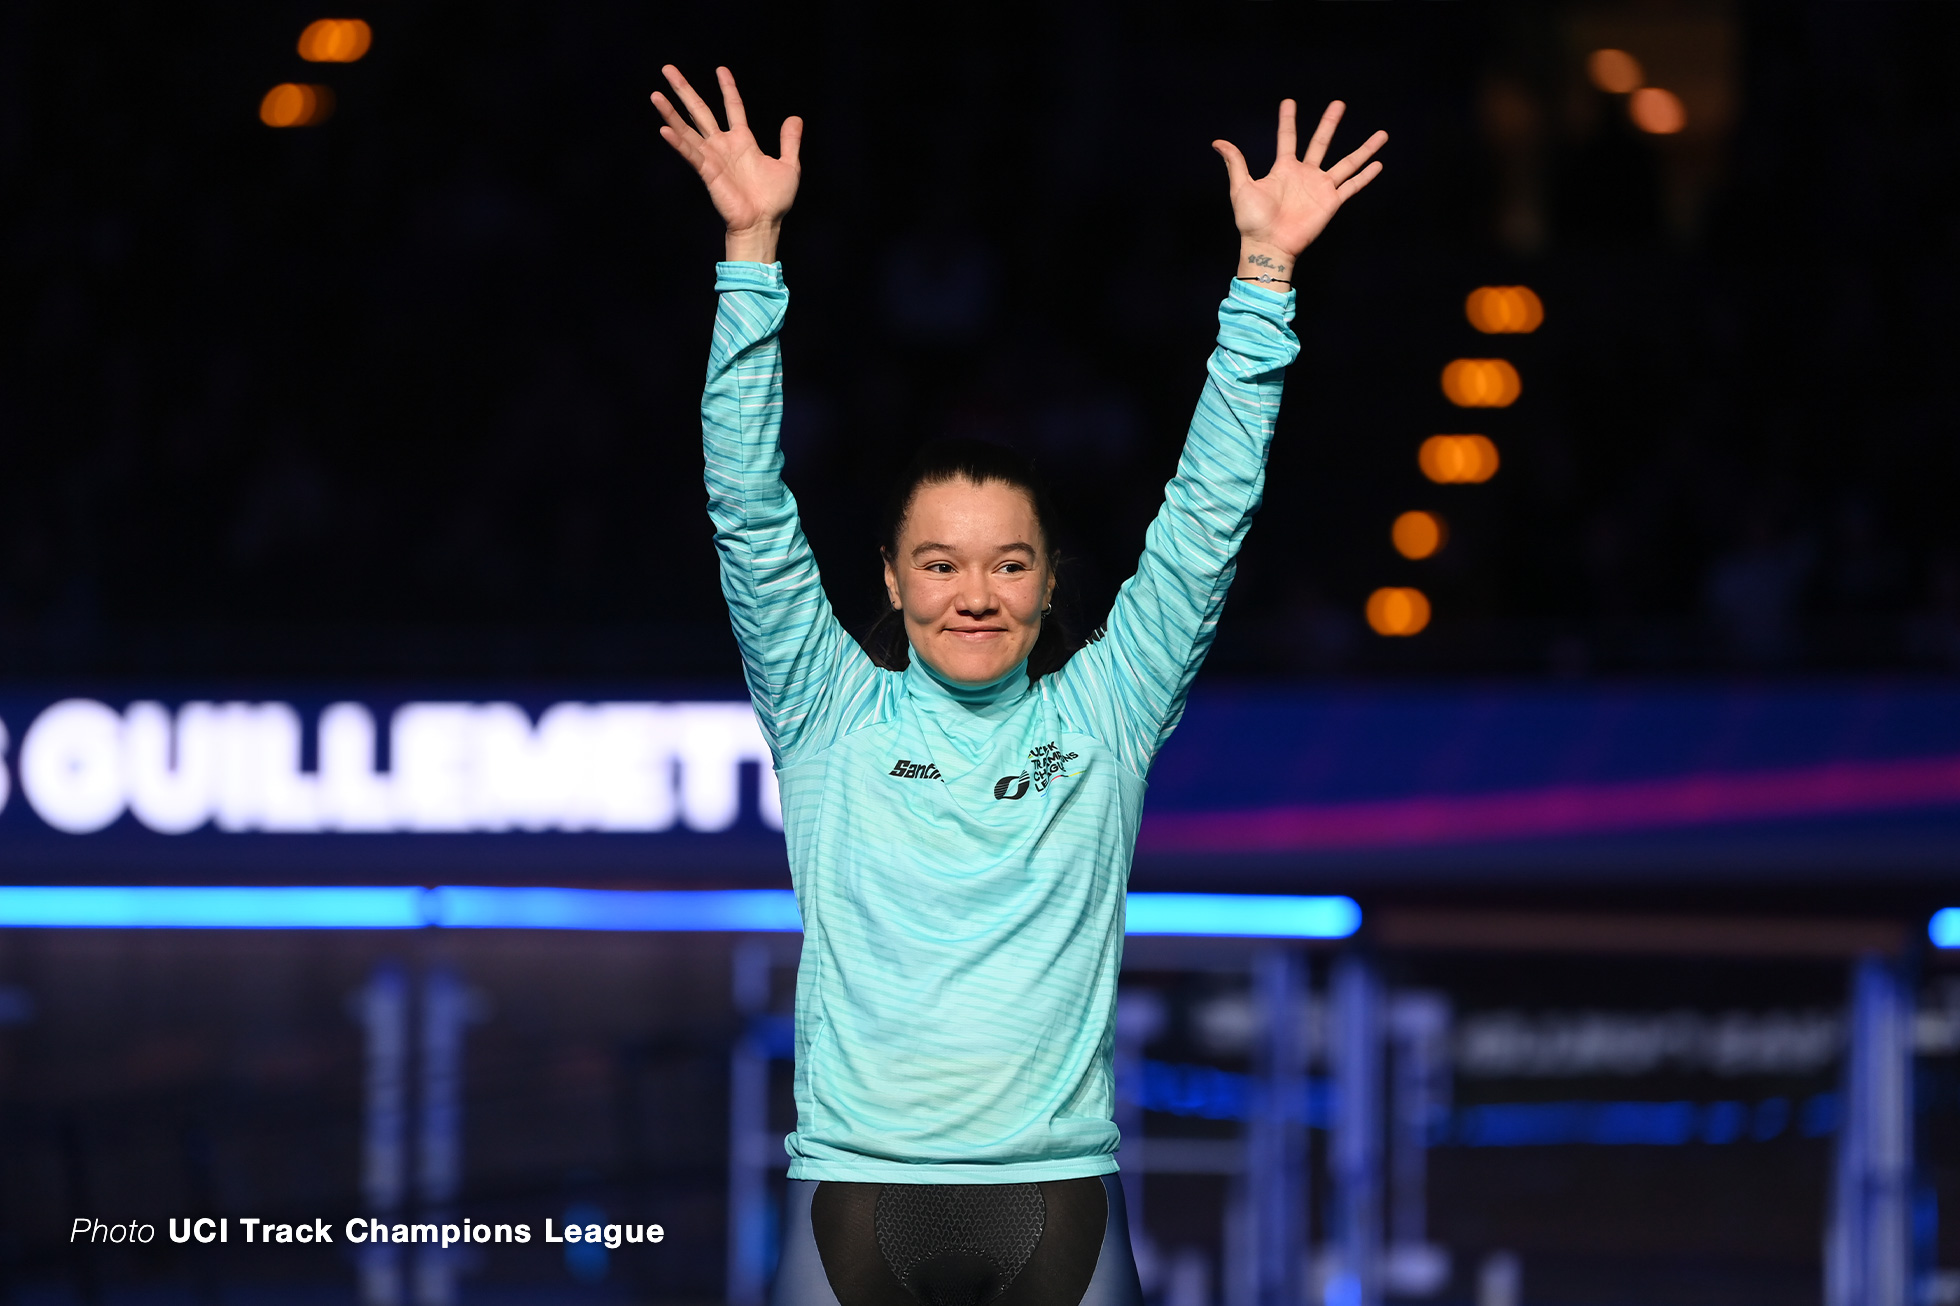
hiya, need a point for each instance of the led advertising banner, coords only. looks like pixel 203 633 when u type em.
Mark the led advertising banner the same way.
pixel 1315 791
pixel 372 788
pixel 1646 783
pixel 449 768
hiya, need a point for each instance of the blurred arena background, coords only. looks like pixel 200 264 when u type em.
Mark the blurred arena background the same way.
pixel 1597 639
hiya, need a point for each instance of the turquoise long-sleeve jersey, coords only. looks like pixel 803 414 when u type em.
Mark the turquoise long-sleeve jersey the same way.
pixel 961 852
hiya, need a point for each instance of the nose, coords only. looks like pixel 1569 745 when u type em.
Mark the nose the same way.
pixel 976 597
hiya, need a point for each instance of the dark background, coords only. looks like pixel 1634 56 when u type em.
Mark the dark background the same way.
pixel 416 390
pixel 413 394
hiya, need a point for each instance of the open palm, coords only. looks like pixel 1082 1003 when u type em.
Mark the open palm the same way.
pixel 1292 204
pixel 749 189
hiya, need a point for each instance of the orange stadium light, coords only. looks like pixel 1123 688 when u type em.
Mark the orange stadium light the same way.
pixel 1657 112
pixel 335 40
pixel 1504 310
pixel 1397 610
pixel 1418 534
pixel 1482 383
pixel 1458 459
pixel 296 104
pixel 1614 71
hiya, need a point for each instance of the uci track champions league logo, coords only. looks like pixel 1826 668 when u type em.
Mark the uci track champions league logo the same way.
pixel 1045 762
pixel 450 767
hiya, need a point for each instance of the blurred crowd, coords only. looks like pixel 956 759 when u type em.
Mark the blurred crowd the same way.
pixel 413 391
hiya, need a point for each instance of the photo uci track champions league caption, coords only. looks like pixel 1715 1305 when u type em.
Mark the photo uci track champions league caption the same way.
pixel 208 1229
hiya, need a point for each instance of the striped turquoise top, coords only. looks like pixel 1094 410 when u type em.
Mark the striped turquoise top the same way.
pixel 960 852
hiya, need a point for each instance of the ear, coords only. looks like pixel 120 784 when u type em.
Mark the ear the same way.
pixel 1048 599
pixel 891 586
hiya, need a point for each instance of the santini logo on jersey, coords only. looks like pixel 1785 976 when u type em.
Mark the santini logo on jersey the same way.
pixel 906 769
pixel 1045 762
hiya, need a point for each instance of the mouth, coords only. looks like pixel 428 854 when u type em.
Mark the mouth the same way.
pixel 975 634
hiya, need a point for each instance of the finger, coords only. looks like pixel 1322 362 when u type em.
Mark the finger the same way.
pixel 1234 163
pixel 673 117
pixel 1347 167
pixel 731 101
pixel 1289 135
pixel 1323 135
pixel 697 108
pixel 687 146
pixel 792 140
pixel 1347 188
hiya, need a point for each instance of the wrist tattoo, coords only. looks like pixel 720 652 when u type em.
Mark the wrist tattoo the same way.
pixel 1265 261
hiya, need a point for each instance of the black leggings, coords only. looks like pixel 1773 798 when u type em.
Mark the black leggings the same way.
pixel 1063 1243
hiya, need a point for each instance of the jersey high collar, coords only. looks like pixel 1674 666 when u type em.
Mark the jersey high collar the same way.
pixel 995 700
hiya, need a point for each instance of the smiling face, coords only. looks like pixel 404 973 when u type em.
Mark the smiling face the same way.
pixel 972 576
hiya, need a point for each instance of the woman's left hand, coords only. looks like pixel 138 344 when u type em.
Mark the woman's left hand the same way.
pixel 1281 213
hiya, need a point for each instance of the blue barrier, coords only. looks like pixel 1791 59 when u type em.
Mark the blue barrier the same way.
pixel 1241 915
pixel 472 907
pixel 197 907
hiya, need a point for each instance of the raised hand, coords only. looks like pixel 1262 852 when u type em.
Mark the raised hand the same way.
pixel 1281 213
pixel 750 190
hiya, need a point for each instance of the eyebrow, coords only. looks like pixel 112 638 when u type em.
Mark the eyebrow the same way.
pixel 934 546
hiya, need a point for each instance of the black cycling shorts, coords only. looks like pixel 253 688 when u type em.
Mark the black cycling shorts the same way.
pixel 1061 1243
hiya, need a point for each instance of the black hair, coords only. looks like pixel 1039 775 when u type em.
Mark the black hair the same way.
pixel 981 462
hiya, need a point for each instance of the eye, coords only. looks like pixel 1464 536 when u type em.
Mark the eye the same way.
pixel 940 568
pixel 1013 566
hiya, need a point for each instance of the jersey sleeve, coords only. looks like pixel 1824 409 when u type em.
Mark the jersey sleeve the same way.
pixel 803 669
pixel 1130 684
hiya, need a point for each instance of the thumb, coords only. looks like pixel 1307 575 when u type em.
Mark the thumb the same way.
pixel 792 139
pixel 1234 162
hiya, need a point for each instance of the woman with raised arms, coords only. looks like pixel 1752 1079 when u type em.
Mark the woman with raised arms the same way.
pixel 962 801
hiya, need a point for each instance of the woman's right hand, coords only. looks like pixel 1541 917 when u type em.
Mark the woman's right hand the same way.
pixel 750 190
